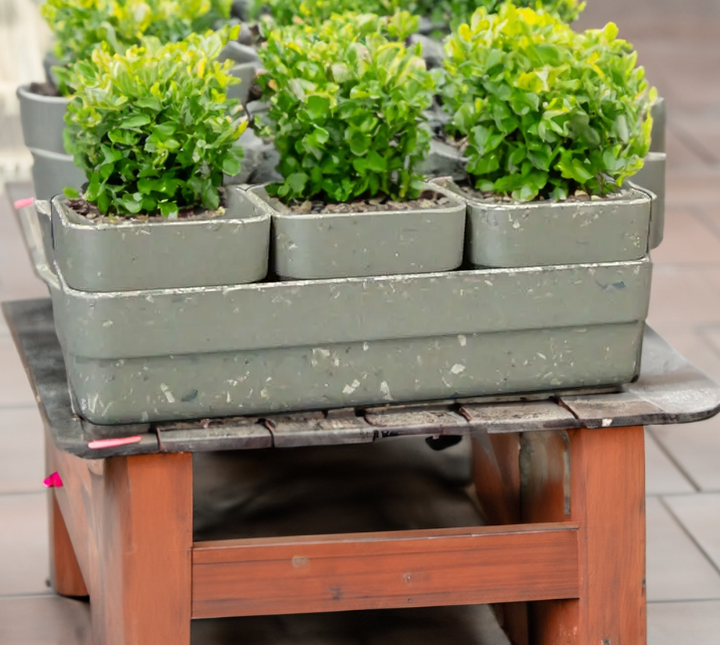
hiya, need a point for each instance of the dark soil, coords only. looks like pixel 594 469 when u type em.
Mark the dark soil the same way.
pixel 471 192
pixel 44 89
pixel 90 211
pixel 428 199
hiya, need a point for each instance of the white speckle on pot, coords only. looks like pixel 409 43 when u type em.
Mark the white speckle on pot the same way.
pixel 606 423
pixel 228 399
pixel 322 353
pixel 149 298
pixel 385 389
pixel 516 225
pixel 462 340
pixel 489 283
pixel 108 323
pixel 144 417
pixel 542 356
pixel 366 347
pixel 264 393
pixel 351 387
pixel 168 394
pixel 457 368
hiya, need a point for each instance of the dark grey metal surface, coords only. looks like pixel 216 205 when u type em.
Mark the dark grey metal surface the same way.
pixel 668 391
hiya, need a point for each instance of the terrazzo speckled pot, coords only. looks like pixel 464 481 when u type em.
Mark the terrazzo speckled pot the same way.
pixel 101 256
pixel 523 234
pixel 345 245
pixel 165 354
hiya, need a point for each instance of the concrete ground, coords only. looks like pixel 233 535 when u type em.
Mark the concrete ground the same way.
pixel 678 42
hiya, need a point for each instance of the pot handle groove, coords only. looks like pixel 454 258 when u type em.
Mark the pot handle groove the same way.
pixel 29 217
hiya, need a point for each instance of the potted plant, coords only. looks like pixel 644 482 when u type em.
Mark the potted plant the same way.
pixel 346 114
pixel 155 133
pixel 551 122
pixel 79 27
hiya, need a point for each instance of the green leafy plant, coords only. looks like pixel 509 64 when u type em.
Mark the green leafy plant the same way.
pixel 80 26
pixel 346 105
pixel 315 12
pixel 153 128
pixel 543 110
pixel 458 11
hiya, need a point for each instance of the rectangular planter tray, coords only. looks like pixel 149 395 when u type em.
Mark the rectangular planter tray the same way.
pixel 273 347
pixel 522 234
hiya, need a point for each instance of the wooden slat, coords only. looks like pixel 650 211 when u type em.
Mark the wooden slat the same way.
pixel 383 570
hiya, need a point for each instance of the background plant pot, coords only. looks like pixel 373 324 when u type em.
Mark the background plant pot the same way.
pixel 444 160
pixel 43 120
pixel 659 129
pixel 246 68
pixel 253 349
pixel 523 234
pixel 322 246
pixel 260 158
pixel 652 178
pixel 225 250
pixel 52 172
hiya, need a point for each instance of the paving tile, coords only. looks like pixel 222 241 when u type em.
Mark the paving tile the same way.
pixel 695 345
pixel 15 388
pixel 24 564
pixel 684 296
pixel 22 461
pixel 684 623
pixel 662 477
pixel 700 515
pixel 695 448
pixel 700 188
pixel 676 568
pixel 44 620
pixel 688 239
pixel 681 153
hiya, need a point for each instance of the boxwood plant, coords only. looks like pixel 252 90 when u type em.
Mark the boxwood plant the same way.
pixel 458 11
pixel 543 110
pixel 153 128
pixel 315 12
pixel 80 26
pixel 346 106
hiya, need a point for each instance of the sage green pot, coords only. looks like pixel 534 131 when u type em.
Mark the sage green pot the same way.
pixel 131 255
pixel 345 245
pixel 522 234
pixel 254 349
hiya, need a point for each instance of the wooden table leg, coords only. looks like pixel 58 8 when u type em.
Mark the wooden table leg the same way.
pixel 606 482
pixel 140 592
pixel 65 575
pixel 496 475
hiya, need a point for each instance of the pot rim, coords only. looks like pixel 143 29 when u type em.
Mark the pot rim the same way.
pixel 23 92
pixel 60 204
pixel 258 190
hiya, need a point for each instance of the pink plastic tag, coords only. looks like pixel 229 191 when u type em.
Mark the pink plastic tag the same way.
pixel 114 443
pixel 22 203
pixel 53 481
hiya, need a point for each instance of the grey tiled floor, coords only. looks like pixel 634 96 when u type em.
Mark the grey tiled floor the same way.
pixel 678 43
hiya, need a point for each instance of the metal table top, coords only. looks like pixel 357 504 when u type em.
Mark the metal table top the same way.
pixel 669 391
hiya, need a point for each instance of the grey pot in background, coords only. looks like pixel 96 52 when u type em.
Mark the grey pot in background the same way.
pixel 652 178
pixel 342 245
pixel 43 120
pixel 226 250
pixel 246 68
pixel 524 234
pixel 53 172
pixel 444 160
pixel 659 114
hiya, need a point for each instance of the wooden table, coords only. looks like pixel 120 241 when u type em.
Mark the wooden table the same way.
pixel 560 481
